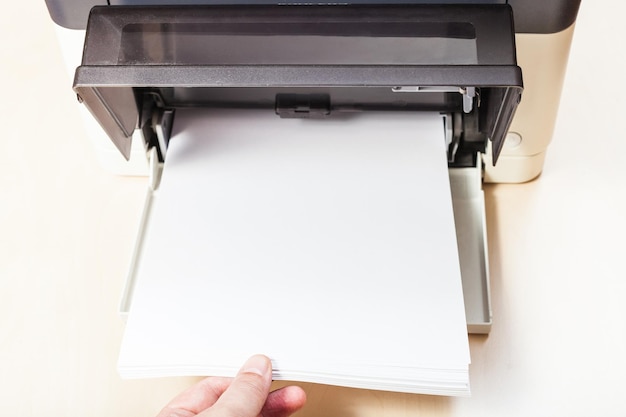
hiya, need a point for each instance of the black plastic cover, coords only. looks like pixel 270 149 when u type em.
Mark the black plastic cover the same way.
pixel 356 58
pixel 543 16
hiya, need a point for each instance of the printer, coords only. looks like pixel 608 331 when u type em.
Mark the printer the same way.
pixel 144 59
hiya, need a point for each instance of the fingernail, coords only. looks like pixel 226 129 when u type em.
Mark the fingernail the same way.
pixel 257 364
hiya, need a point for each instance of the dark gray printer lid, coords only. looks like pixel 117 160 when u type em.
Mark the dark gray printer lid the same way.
pixel 531 16
pixel 325 60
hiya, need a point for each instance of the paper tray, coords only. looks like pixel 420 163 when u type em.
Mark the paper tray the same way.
pixel 469 215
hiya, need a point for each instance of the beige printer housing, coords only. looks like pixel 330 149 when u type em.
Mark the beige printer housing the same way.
pixel 543 59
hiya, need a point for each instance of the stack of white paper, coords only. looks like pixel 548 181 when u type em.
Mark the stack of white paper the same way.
pixel 328 245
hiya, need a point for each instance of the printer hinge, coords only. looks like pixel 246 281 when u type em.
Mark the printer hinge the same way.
pixel 156 124
pixel 162 121
pixel 302 106
pixel 453 125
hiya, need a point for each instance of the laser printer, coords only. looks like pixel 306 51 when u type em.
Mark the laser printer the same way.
pixel 492 68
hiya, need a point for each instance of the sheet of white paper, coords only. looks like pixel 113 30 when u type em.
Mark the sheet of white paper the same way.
pixel 328 245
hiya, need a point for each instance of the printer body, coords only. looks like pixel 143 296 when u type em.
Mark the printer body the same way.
pixel 143 59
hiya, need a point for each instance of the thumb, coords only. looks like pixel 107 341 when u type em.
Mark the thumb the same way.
pixel 247 393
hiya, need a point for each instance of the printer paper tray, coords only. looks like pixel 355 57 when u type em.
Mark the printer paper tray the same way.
pixel 469 214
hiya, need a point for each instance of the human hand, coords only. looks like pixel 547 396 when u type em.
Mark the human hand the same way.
pixel 246 395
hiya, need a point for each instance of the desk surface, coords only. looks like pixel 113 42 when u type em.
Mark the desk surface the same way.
pixel 558 344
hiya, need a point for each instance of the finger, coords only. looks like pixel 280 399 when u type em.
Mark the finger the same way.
pixel 196 398
pixel 248 391
pixel 284 402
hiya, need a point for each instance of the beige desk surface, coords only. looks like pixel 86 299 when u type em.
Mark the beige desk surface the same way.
pixel 558 253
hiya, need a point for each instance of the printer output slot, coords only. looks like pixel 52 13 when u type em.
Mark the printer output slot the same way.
pixel 464 136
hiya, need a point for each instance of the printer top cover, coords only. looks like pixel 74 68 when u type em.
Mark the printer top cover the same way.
pixel 304 62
